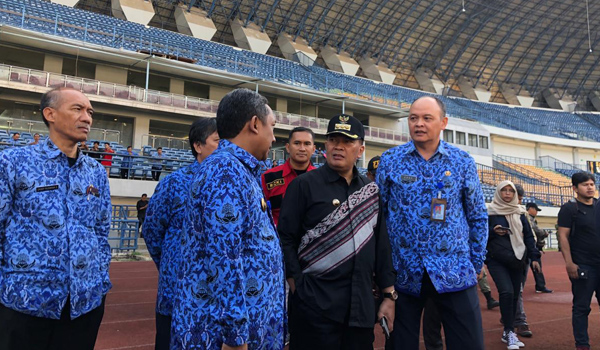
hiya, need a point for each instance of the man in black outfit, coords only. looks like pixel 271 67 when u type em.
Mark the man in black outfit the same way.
pixel 141 206
pixel 540 243
pixel 580 245
pixel 335 242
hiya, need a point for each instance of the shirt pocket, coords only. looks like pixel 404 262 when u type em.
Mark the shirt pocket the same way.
pixel 403 189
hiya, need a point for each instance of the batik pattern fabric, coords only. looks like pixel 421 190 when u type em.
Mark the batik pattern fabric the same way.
pixel 452 252
pixel 54 225
pixel 342 234
pixel 231 282
pixel 162 232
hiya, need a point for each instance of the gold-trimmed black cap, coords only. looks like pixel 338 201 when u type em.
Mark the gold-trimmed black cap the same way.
pixel 346 125
pixel 373 164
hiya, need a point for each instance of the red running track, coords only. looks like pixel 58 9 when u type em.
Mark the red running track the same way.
pixel 128 322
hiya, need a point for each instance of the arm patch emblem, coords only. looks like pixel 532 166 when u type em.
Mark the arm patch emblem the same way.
pixel 271 185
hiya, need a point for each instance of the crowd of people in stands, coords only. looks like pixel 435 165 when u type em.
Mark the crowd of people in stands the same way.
pixel 347 251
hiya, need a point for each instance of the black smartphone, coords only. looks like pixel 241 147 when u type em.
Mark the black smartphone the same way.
pixel 505 228
pixel 384 326
pixel 582 274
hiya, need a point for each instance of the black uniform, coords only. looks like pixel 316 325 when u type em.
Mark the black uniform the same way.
pixel 336 309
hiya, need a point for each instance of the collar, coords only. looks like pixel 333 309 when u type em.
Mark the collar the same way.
pixel 287 168
pixel 49 148
pixel 333 176
pixel 242 155
pixel 441 149
pixel 52 151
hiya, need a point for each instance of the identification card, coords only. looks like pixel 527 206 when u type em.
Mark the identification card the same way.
pixel 438 209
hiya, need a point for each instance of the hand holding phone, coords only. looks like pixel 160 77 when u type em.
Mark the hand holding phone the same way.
pixel 384 326
pixel 501 230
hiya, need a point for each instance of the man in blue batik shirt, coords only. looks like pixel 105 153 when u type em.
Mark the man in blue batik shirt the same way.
pixel 437 223
pixel 163 224
pixel 54 223
pixel 230 291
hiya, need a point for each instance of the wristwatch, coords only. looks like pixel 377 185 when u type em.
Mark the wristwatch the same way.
pixel 393 295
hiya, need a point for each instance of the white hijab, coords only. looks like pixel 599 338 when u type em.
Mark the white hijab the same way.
pixel 512 211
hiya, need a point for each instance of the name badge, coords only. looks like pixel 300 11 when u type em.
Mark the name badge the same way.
pixel 271 185
pixel 46 188
pixel 438 209
pixel 408 178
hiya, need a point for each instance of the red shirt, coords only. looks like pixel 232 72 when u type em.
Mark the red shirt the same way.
pixel 275 181
pixel 107 157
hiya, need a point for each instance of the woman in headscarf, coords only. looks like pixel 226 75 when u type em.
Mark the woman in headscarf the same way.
pixel 510 245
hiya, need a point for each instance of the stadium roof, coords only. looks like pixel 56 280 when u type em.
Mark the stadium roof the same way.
pixel 532 43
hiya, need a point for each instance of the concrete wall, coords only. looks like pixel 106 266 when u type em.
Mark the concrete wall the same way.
pixel 383 122
pixel 217 93
pixel 126 189
pixel 513 148
pixel 111 74
pixel 177 87
pixel 53 63
pixel 563 153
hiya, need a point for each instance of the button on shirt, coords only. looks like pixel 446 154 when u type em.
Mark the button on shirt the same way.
pixel 231 283
pixel 452 251
pixel 54 224
pixel 347 289
pixel 162 232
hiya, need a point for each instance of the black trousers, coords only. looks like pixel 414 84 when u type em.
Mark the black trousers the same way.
pixel 163 332
pixel 459 311
pixel 540 280
pixel 19 331
pixel 508 281
pixel 432 327
pixel 309 330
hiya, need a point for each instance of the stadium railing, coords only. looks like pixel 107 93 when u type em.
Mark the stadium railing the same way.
pixel 539 189
pixel 99 88
pixel 30 127
pixel 124 228
pixel 94 87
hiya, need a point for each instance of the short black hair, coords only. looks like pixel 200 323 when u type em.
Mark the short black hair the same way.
pixel 50 99
pixel 16 133
pixel 201 129
pixel 36 134
pixel 144 195
pixel 520 190
pixel 439 102
pixel 581 177
pixel 159 148
pixel 237 108
pixel 97 142
pixel 128 147
pixel 301 129
pixel 107 143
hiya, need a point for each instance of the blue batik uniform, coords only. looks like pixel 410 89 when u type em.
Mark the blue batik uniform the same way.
pixel 231 283
pixel 453 251
pixel 162 232
pixel 54 224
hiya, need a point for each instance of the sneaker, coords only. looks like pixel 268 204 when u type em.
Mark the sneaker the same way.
pixel 545 290
pixel 511 341
pixel 524 331
pixel 492 303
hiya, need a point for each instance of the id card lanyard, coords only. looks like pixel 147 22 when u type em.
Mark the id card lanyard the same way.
pixel 439 205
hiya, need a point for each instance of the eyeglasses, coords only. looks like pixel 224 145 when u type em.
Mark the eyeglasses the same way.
pixel 507 190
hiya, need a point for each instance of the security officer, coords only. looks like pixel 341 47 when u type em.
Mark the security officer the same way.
pixel 300 147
